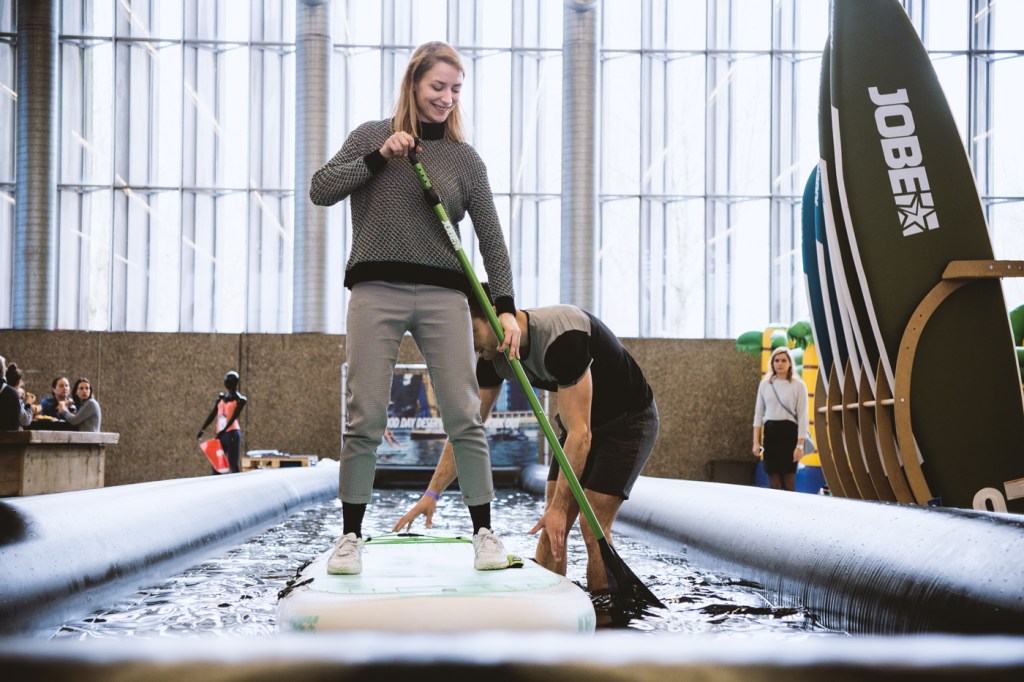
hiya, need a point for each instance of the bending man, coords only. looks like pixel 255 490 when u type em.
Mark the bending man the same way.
pixel 606 413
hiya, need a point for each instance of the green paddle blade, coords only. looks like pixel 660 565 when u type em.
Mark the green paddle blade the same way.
pixel 628 596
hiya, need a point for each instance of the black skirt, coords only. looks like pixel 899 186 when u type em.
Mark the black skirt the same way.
pixel 779 442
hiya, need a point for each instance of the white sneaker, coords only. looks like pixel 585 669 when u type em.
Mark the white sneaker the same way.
pixel 489 553
pixel 347 558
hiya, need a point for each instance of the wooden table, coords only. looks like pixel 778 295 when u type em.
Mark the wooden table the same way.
pixel 35 462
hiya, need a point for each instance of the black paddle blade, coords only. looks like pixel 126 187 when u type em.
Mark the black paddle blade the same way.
pixel 628 597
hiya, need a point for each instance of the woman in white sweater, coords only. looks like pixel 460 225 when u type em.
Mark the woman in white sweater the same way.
pixel 780 414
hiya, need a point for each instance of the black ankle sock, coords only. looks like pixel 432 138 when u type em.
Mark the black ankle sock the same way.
pixel 352 518
pixel 481 515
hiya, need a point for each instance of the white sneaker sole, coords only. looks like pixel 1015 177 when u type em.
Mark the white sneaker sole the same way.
pixel 492 565
pixel 344 571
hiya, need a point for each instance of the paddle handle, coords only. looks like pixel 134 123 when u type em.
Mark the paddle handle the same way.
pixel 434 201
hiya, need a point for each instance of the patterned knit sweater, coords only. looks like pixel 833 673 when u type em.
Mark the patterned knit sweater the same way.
pixel 395 236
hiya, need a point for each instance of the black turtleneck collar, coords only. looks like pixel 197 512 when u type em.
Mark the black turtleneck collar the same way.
pixel 432 131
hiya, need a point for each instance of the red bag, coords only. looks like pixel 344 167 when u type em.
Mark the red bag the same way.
pixel 215 453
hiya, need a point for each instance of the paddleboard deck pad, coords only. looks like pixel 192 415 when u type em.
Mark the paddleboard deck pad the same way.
pixel 427 583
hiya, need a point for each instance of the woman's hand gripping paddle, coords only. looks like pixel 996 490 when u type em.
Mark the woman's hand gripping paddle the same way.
pixel 629 595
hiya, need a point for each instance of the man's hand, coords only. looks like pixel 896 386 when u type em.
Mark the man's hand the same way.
pixel 553 523
pixel 425 507
pixel 512 333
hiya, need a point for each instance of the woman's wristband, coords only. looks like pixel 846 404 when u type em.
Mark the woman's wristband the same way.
pixel 431 493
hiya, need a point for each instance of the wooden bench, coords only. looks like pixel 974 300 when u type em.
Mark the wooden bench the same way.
pixel 35 462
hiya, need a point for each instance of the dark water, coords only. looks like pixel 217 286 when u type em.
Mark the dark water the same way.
pixel 235 594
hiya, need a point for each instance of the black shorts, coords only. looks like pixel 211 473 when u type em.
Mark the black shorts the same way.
pixel 779 443
pixel 618 452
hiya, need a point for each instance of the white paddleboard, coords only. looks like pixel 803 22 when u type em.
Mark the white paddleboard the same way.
pixel 427 583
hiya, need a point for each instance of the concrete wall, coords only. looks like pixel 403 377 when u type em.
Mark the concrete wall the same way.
pixel 705 391
pixel 156 390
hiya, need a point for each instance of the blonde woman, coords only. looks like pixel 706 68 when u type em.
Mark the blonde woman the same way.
pixel 780 416
pixel 405 277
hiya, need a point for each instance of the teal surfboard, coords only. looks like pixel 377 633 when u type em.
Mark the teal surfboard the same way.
pixel 820 324
pixel 427 583
pixel 826 317
pixel 909 207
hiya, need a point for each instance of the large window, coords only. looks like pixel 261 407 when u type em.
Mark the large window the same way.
pixel 176 138
pixel 175 179
pixel 8 106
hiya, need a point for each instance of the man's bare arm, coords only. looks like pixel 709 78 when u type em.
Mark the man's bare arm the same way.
pixel 446 471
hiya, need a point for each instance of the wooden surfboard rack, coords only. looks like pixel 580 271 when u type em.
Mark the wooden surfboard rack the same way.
pixel 870 451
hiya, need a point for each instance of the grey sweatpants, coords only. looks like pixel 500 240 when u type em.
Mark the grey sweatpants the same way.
pixel 379 314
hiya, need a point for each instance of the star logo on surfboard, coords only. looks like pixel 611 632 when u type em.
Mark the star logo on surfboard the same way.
pixel 917 213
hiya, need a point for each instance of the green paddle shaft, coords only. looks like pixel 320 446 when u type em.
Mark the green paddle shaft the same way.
pixel 563 462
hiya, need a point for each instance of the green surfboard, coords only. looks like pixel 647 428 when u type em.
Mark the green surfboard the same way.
pixel 910 206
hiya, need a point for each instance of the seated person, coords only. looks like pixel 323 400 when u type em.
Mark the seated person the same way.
pixel 14 415
pixel 60 393
pixel 30 401
pixel 87 415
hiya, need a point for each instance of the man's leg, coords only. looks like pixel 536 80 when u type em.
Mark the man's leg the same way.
pixel 619 450
pixel 606 508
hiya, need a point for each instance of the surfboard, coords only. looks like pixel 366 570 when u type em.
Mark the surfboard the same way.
pixel 831 304
pixel 823 440
pixel 851 437
pixel 910 206
pixel 846 487
pixel 886 434
pixel 427 583
pixel 820 324
pixel 860 346
pixel 869 442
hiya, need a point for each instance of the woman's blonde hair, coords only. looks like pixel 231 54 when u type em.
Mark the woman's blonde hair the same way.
pixel 423 60
pixel 771 364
